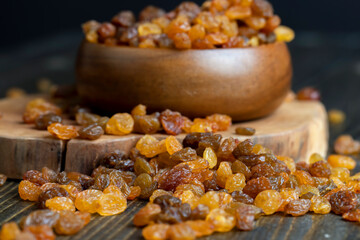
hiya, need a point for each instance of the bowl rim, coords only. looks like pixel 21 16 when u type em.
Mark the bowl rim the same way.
pixel 120 47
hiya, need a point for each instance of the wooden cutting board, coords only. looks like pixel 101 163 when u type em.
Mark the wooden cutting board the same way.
pixel 297 129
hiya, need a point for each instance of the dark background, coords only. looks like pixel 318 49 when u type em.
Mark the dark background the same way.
pixel 22 20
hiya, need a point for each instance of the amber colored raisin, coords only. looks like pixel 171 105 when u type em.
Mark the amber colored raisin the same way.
pixel 272 23
pixel 336 116
pixel 60 203
pixel 41 232
pixel 172 145
pixel 320 205
pixel 343 201
pixel 102 181
pixel 155 231
pixel 149 146
pixel 309 93
pixel 123 19
pixel 63 132
pixel 238 12
pixel 257 185
pixel 9 231
pixel 201 227
pixel 86 201
pixel 247 131
pixel 286 34
pixel 69 223
pixel 320 169
pixel 269 201
pixel 29 191
pixel 200 212
pixel 345 144
pixel 220 122
pixel 2 179
pixel 297 207
pixel 222 221
pixel 169 180
pixel 38 107
pixel 41 217
pixel 181 231
pixel 120 124
pixel 43 121
pixel 111 204
pixel 341 161
pixel 223 173
pixel 304 177
pixel 91 132
pixel 353 215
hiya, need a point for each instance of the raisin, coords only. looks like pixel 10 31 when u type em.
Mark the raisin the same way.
pixel 320 205
pixel 240 167
pixel 286 34
pixel 2 179
pixel 123 19
pixel 262 8
pixel 200 212
pixel 63 132
pixel 246 131
pixel 269 201
pixel 309 93
pixel 320 169
pixel 34 176
pixel 155 231
pixel 298 207
pixel 183 155
pixel 146 124
pixel 91 132
pixel 43 121
pixel 48 174
pixel 41 232
pixel 86 201
pixel 189 9
pixel 111 204
pixel 150 12
pixel 222 221
pixel 341 161
pixel 257 185
pixel 201 227
pixel 120 124
pixel 345 144
pixel 51 193
pixel 353 215
pixel 171 122
pixel 343 201
pixel 9 231
pixel 29 191
pixel 60 203
pixel 245 217
pixel 38 107
pixel 170 179
pixel 111 160
pixel 106 30
pixel 147 185
pixel 142 166
pixel 146 214
pixel 243 148
pixel 41 217
pixel 239 196
pixel 69 223
pixel 181 231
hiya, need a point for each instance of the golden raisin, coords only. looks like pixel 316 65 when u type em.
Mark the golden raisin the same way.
pixel 120 124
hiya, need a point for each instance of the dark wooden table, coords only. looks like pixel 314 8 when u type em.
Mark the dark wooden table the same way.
pixel 330 62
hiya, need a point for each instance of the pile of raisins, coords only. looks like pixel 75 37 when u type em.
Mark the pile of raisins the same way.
pixel 203 185
pixel 216 24
pixel 46 115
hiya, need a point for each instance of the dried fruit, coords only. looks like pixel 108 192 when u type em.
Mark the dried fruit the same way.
pixel 343 201
pixel 60 203
pixel 91 132
pixel 269 201
pixel 345 144
pixel 69 223
pixel 63 132
pixel 38 107
pixel 336 116
pixel 308 93
pixel 120 124
pixel 43 121
pixel 341 161
pixel 110 204
pixel 246 131
pixel 297 207
pixel 221 220
pixel 29 191
pixel 87 201
pixel 155 231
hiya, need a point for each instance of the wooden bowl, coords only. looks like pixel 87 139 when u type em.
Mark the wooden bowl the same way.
pixel 245 83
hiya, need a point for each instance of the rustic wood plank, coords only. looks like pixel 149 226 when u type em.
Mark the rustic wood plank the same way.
pixel 297 129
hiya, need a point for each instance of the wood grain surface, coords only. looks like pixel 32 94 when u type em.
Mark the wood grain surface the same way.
pixel 245 83
pixel 297 129
pixel 330 62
